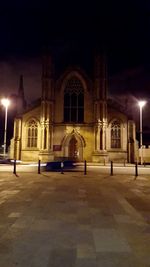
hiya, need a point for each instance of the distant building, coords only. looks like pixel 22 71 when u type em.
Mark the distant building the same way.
pixel 74 119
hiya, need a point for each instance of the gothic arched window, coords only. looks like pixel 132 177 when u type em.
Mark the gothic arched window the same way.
pixel 115 134
pixel 32 133
pixel 74 101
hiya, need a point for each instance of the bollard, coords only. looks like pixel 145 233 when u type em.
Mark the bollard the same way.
pixel 39 166
pixel 136 169
pixel 85 168
pixel 62 165
pixel 111 168
pixel 144 163
pixel 14 167
pixel 124 162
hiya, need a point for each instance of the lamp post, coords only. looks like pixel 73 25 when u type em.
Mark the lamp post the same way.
pixel 5 102
pixel 141 105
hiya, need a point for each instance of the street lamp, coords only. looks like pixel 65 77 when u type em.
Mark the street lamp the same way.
pixel 5 102
pixel 141 105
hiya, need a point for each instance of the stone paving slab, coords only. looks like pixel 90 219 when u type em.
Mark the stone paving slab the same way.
pixel 72 220
pixel 109 240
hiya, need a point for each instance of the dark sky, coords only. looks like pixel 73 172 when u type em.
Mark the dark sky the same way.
pixel 121 26
pixel 73 30
pixel 70 28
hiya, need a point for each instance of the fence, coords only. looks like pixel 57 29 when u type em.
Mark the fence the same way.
pixel 111 169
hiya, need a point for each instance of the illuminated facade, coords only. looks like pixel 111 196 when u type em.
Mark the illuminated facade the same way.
pixel 73 119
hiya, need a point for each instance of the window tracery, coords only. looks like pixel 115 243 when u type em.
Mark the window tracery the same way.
pixel 74 101
pixel 32 133
pixel 116 134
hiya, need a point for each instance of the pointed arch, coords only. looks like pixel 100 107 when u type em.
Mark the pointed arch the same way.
pixel 31 118
pixel 32 133
pixel 116 134
pixel 77 72
pixel 77 135
pixel 122 122
pixel 74 100
pixel 72 145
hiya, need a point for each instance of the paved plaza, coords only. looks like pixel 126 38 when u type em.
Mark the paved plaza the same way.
pixel 74 220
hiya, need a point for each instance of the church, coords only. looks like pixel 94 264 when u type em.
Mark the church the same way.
pixel 73 119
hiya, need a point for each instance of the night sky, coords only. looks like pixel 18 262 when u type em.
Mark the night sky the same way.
pixel 121 27
pixel 73 30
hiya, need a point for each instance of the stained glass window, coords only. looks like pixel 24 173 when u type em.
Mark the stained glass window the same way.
pixel 115 134
pixel 74 101
pixel 32 133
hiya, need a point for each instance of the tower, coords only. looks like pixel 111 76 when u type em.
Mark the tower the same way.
pixel 47 104
pixel 100 107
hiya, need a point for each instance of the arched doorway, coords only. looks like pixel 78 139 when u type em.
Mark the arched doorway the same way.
pixel 73 145
pixel 73 149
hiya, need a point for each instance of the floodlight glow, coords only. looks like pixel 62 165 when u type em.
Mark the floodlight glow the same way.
pixel 5 102
pixel 142 103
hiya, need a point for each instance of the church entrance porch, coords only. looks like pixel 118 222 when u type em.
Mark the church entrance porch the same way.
pixel 73 149
pixel 73 145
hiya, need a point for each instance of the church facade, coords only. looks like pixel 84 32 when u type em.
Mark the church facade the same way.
pixel 73 119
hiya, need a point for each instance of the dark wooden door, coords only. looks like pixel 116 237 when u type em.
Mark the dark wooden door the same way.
pixel 73 149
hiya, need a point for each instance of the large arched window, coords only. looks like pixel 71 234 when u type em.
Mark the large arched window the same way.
pixel 74 101
pixel 115 134
pixel 32 133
